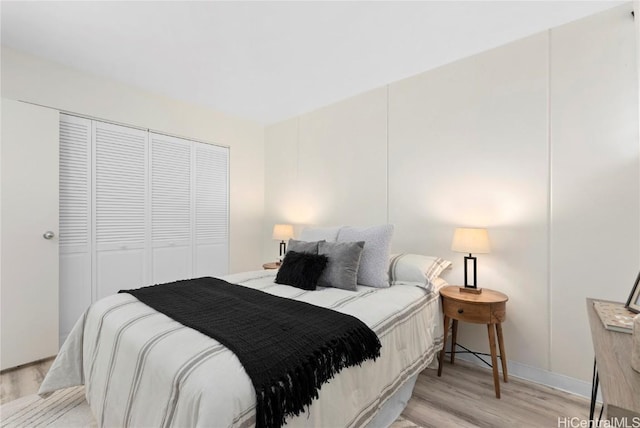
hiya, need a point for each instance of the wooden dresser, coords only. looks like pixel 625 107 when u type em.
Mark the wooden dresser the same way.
pixel 620 383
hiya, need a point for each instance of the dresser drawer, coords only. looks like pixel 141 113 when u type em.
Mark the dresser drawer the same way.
pixel 469 312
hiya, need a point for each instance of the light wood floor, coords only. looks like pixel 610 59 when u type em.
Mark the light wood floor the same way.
pixel 22 380
pixel 462 397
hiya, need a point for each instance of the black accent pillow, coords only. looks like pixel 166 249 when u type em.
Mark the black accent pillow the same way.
pixel 301 270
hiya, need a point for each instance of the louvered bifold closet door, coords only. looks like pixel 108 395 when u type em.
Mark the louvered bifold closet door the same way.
pixel 171 208
pixel 120 207
pixel 75 221
pixel 211 251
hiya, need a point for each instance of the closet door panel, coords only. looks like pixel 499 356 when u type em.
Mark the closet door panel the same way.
pixel 171 264
pixel 75 220
pixel 119 269
pixel 120 206
pixel 211 210
pixel 138 208
pixel 212 260
pixel 171 208
pixel 75 289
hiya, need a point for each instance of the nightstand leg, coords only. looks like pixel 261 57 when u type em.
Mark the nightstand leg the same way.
pixel 444 344
pixel 454 335
pixel 503 356
pixel 494 359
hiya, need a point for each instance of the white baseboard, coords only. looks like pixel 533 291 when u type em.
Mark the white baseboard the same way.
pixel 541 376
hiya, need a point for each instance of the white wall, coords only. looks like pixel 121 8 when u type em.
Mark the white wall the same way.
pixel 594 182
pixel 536 140
pixel 467 148
pixel 316 161
pixel 636 9
pixel 38 81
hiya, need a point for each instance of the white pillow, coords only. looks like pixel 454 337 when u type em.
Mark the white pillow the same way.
pixel 416 269
pixel 373 270
pixel 438 283
pixel 329 234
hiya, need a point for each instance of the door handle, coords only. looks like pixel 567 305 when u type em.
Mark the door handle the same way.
pixel 48 235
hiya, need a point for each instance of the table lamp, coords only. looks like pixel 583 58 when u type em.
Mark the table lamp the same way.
pixel 282 232
pixel 470 240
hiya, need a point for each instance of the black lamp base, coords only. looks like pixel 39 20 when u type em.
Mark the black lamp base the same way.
pixel 283 250
pixel 470 288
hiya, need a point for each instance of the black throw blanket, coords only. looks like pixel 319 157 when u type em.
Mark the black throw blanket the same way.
pixel 288 348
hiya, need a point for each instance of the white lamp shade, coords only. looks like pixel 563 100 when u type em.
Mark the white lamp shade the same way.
pixel 282 232
pixel 470 240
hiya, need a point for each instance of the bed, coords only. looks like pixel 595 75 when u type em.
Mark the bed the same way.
pixel 143 369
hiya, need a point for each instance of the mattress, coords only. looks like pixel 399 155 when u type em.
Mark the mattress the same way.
pixel 143 369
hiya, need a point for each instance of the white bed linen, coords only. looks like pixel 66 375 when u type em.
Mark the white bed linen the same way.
pixel 143 369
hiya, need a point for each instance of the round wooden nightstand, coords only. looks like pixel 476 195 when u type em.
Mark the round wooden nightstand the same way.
pixel 488 307
pixel 271 265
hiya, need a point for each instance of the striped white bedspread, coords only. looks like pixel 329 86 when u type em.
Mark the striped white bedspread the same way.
pixel 142 369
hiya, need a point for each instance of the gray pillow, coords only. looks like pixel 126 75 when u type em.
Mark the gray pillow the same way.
pixel 303 246
pixel 342 268
pixel 374 265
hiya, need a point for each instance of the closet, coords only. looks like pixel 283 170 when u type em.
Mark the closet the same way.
pixel 136 208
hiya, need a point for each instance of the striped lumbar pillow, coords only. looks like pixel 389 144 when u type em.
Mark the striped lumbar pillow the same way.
pixel 416 269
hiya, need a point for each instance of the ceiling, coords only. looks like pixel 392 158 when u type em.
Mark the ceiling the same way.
pixel 268 61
